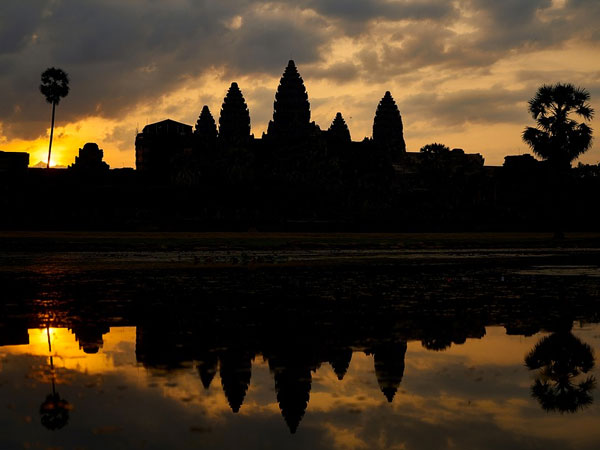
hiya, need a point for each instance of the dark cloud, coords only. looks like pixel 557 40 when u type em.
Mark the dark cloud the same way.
pixel 514 24
pixel 341 72
pixel 487 32
pixel 367 10
pixel 120 54
pixel 481 106
pixel 17 26
pixel 534 24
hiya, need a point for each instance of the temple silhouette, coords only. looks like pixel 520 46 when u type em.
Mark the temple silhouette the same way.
pixel 162 147
pixel 296 176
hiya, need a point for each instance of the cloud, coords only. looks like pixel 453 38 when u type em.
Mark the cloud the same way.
pixel 120 54
pixel 481 106
pixel 341 72
pixel 124 58
pixel 354 16
pixel 17 26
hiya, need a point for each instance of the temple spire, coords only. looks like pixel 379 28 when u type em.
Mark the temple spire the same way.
pixel 235 369
pixel 388 131
pixel 389 367
pixel 234 122
pixel 340 362
pixel 206 128
pixel 291 109
pixel 207 368
pixel 338 130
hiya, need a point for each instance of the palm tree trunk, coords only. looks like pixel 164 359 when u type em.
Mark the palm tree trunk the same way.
pixel 51 362
pixel 560 185
pixel 51 135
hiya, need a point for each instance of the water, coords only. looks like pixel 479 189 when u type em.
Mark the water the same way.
pixel 489 351
pixel 474 395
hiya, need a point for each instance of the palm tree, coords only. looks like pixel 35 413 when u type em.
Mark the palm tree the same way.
pixel 557 137
pixel 54 411
pixel 560 358
pixel 55 85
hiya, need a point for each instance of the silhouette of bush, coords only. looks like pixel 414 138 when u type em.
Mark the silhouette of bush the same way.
pixel 435 149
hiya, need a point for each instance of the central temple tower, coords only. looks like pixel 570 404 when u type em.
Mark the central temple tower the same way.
pixel 291 110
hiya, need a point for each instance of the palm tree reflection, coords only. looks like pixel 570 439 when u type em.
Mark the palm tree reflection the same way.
pixel 54 410
pixel 560 358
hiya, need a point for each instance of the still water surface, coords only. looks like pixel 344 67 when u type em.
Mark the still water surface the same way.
pixel 474 395
pixel 419 353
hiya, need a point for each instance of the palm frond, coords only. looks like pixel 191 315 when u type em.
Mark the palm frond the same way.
pixel 559 137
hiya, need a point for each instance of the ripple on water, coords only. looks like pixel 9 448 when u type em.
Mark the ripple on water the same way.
pixel 571 270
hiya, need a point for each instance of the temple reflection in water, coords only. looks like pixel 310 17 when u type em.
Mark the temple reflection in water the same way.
pixel 295 344
pixel 305 340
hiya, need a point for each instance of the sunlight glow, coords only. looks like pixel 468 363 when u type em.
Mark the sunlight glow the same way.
pixel 68 354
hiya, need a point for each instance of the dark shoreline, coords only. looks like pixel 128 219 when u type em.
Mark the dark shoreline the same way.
pixel 51 241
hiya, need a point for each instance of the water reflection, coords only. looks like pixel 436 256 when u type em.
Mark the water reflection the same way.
pixel 389 367
pixel 560 358
pixel 303 384
pixel 235 369
pixel 302 357
pixel 54 411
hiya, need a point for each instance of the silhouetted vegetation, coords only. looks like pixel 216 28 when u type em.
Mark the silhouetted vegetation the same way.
pixel 558 137
pixel 435 149
pixel 54 412
pixel 560 359
pixel 55 85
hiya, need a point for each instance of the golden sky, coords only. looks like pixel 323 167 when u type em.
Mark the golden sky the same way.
pixel 460 71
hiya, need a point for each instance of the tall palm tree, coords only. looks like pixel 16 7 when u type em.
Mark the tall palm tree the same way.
pixel 55 85
pixel 557 137
pixel 55 410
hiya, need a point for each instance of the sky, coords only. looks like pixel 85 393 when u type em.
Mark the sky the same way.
pixel 461 71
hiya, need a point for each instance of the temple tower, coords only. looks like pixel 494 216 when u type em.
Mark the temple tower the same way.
pixel 388 131
pixel 206 128
pixel 291 109
pixel 234 122
pixel 338 131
